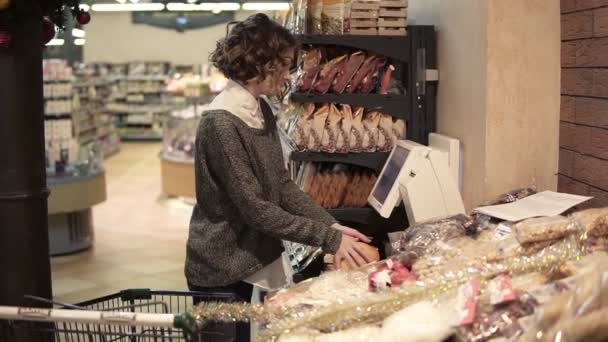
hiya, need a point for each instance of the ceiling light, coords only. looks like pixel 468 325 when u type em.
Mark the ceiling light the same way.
pixel 134 1
pixel 85 7
pixel 55 42
pixel 266 6
pixel 78 33
pixel 128 7
pixel 121 1
pixel 192 1
pixel 205 6
pixel 216 11
pixel 79 41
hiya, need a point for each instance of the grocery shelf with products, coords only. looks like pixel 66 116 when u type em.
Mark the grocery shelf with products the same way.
pixel 190 94
pixel 355 95
pixel 74 156
pixel 138 100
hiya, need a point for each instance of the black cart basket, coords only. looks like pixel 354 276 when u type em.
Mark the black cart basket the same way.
pixel 134 315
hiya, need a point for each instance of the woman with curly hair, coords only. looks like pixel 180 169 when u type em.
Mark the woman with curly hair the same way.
pixel 246 203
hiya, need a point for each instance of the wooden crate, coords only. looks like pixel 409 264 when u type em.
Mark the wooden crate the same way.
pixel 393 3
pixel 364 6
pixel 363 14
pixel 364 23
pixel 364 31
pixel 392 22
pixel 393 13
pixel 392 31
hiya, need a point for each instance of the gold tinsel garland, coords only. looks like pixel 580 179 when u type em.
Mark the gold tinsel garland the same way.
pixel 341 315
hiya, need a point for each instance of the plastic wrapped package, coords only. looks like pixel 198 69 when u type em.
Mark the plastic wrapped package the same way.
pixel 543 229
pixel 314 17
pixel 310 68
pixel 498 321
pixel 513 196
pixel 297 17
pixel 578 314
pixel 301 134
pixel 421 238
pixel 371 122
pixel 331 132
pixel 594 221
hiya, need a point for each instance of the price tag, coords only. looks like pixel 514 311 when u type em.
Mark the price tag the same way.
pixel 502 231
pixel 466 301
pixel 501 290
pixel 118 316
pixel 34 312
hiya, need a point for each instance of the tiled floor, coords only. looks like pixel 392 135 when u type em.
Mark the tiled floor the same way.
pixel 140 237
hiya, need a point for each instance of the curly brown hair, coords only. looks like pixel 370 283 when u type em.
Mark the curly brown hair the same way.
pixel 251 46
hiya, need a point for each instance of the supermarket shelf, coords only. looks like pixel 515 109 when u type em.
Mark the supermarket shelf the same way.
pixel 390 46
pixel 88 140
pixel 64 97
pixel 372 160
pixel 395 105
pixel 58 116
pixel 141 137
pixel 145 78
pixel 87 128
pixel 57 81
pixel 95 83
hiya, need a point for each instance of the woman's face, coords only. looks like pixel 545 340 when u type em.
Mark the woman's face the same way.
pixel 277 75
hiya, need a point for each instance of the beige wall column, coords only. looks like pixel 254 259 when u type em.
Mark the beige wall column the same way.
pixel 499 90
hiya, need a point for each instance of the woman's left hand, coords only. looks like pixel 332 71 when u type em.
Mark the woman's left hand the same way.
pixel 351 232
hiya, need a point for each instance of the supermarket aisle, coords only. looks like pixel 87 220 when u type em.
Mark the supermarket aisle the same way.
pixel 140 237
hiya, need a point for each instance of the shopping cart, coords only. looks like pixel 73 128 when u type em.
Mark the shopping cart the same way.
pixel 135 315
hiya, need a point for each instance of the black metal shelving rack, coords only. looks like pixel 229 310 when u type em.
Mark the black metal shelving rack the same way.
pixel 413 55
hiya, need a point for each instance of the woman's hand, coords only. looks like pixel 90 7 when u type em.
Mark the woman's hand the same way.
pixel 352 252
pixel 351 232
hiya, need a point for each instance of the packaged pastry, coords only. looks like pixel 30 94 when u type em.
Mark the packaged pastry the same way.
pixel 419 239
pixel 315 14
pixel 335 16
pixel 543 229
pixel 357 130
pixel 371 122
pixel 346 74
pixel 399 129
pixel 386 139
pixel 317 128
pixel 311 65
pixel 328 73
pixel 343 142
pixel 332 128
pixel 303 126
pixel 593 221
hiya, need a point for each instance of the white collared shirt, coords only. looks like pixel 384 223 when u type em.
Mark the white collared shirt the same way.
pixel 241 103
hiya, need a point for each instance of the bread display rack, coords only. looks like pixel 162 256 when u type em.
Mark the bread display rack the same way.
pixel 414 57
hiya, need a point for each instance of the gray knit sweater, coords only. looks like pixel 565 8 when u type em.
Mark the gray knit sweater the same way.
pixel 246 203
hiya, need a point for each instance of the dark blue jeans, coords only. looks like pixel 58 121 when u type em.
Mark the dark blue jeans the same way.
pixel 227 332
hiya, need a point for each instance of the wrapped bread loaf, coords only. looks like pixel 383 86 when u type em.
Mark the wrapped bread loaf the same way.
pixel 317 128
pixel 594 221
pixel 342 142
pixel 332 128
pixel 356 132
pixel 370 132
pixel 543 229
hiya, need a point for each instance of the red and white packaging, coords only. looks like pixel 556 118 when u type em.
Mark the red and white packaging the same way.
pixel 466 302
pixel 501 290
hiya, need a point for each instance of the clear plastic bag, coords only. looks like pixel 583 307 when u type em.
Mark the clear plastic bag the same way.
pixel 422 238
pixel 578 314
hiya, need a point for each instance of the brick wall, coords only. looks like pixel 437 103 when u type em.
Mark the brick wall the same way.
pixel 583 158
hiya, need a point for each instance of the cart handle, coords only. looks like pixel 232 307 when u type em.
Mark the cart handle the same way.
pixel 94 317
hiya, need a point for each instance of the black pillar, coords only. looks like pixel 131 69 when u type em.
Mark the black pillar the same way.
pixel 24 244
